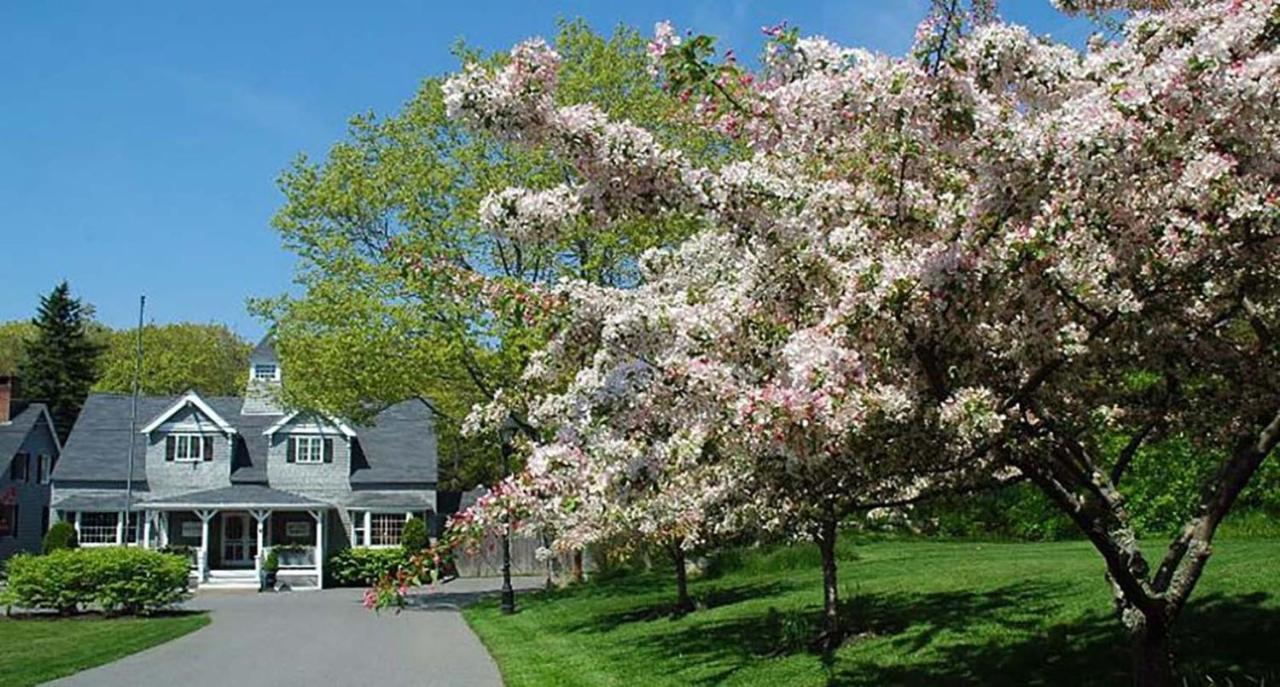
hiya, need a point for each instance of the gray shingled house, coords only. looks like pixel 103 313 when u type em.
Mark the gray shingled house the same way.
pixel 233 477
pixel 29 449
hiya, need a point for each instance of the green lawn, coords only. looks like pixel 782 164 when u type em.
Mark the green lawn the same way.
pixel 926 613
pixel 39 649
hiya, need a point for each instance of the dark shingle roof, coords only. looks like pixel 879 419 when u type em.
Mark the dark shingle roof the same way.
pixel 249 495
pixel 14 433
pixel 398 447
pixel 408 500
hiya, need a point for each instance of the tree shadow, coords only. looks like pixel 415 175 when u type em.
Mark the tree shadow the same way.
pixel 1221 641
pixel 704 599
pixel 993 637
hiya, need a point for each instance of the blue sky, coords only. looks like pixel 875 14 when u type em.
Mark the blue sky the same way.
pixel 141 140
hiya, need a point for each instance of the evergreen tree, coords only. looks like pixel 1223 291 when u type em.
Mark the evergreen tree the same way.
pixel 62 360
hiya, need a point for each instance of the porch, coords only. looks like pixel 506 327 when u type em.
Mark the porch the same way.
pixel 227 533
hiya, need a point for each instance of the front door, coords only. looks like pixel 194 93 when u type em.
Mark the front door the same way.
pixel 239 541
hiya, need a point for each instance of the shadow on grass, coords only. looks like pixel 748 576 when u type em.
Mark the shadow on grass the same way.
pixel 996 637
pixel 664 609
pixel 1221 641
pixel 38 616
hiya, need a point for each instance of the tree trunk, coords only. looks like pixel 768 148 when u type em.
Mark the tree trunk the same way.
pixel 830 638
pixel 684 604
pixel 577 565
pixel 1152 659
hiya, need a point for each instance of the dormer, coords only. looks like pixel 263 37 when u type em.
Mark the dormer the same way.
pixel 189 444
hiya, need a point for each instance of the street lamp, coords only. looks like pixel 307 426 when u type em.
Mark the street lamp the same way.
pixel 506 433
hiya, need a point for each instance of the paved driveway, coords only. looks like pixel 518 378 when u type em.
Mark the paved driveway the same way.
pixel 315 639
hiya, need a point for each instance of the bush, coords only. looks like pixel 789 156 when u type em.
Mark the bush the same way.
pixel 272 564
pixel 117 579
pixel 361 567
pixel 414 537
pixel 62 535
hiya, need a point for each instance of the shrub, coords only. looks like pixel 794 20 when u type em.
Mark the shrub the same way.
pixel 414 537
pixel 361 567
pixel 118 579
pixel 272 564
pixel 62 535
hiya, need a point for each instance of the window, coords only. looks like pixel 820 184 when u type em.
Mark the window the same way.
pixel 98 528
pixel 44 469
pixel 308 449
pixel 9 520
pixel 357 527
pixel 19 468
pixel 385 528
pixel 265 372
pixel 188 448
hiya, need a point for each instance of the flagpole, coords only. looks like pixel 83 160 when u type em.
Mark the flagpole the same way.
pixel 133 421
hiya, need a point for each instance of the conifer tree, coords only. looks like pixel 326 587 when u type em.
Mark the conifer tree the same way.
pixel 61 362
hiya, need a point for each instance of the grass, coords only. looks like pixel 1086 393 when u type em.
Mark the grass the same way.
pixel 921 613
pixel 42 648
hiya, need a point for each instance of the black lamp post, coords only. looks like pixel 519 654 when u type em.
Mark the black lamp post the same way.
pixel 506 433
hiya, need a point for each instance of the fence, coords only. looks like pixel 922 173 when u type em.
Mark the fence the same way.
pixel 486 560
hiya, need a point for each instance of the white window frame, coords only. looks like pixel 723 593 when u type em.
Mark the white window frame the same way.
pixel 44 466
pixel 266 372
pixel 98 534
pixel 391 517
pixel 314 449
pixel 191 439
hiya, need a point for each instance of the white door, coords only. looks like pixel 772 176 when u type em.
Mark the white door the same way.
pixel 239 542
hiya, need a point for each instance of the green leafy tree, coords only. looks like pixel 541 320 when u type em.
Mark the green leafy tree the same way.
pixel 390 251
pixel 209 358
pixel 414 537
pixel 14 337
pixel 61 362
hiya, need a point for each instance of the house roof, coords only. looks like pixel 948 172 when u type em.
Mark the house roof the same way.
pixel 235 496
pixel 398 446
pixel 14 433
pixel 98 502
pixel 404 500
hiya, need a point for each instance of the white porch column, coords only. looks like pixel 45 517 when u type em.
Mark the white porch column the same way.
pixel 205 516
pixel 319 516
pixel 121 517
pixel 260 516
pixel 163 523
pixel 146 528
pixel 78 525
pixel 368 525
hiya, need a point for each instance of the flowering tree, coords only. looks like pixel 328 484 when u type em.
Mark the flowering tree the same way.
pixel 994 248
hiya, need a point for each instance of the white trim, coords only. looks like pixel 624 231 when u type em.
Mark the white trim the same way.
pixel 191 398
pixel 53 429
pixel 256 505
pixel 189 437
pixel 312 442
pixel 342 426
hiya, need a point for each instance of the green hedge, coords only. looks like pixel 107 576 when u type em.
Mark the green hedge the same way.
pixel 62 535
pixel 118 580
pixel 361 567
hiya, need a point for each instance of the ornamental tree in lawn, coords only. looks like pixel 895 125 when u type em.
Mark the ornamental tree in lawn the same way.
pixel 995 248
pixel 722 344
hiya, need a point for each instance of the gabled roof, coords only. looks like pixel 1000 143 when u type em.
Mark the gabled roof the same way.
pixel 190 399
pixel 14 432
pixel 340 425
pixel 397 447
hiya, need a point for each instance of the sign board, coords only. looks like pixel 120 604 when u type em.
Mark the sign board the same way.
pixel 190 530
pixel 297 529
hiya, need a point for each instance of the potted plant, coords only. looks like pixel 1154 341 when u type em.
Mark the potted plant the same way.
pixel 269 569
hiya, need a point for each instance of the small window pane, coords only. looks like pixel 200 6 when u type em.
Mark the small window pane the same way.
pixel 98 528
pixel 385 529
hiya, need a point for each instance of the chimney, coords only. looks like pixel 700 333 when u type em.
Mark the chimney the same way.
pixel 6 397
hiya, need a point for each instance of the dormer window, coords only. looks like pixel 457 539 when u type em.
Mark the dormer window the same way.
pixel 308 449
pixel 188 448
pixel 266 372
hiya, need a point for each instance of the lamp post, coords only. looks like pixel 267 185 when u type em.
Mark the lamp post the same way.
pixel 505 434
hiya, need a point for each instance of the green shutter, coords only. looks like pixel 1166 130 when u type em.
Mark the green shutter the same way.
pixel 208 449
pixel 288 451
pixel 169 443
pixel 328 450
